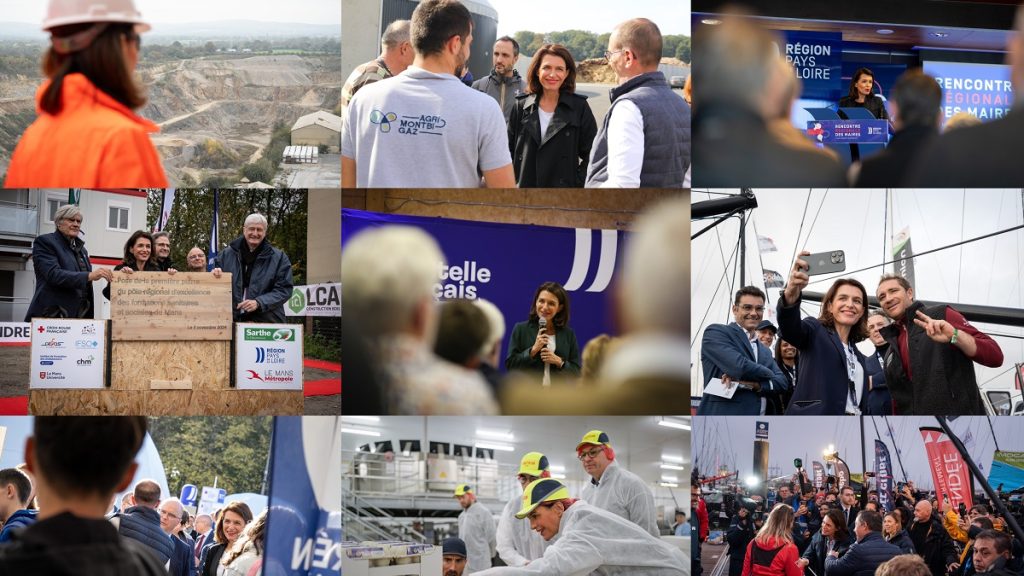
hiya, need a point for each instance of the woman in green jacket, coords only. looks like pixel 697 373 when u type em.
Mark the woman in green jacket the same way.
pixel 530 348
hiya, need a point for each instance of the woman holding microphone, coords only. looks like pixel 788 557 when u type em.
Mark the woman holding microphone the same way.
pixel 833 380
pixel 545 338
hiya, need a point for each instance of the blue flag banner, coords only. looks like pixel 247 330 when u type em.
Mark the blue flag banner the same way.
pixel 214 233
pixel 304 525
pixel 853 131
pixel 883 476
pixel 505 263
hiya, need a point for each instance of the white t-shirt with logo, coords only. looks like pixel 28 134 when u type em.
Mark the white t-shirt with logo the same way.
pixel 423 130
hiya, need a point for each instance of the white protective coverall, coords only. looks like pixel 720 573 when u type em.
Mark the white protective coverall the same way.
pixel 476 528
pixel 517 543
pixel 593 541
pixel 624 494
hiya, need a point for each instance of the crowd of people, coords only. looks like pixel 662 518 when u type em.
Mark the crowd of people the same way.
pixel 744 136
pixel 796 529
pixel 508 131
pixel 425 358
pixel 922 364
pixel 261 275
pixel 611 528
pixel 61 515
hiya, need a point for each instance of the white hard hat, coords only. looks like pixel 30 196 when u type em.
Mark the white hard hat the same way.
pixel 65 12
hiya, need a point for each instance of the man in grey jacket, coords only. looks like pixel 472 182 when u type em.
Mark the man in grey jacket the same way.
pixel 504 83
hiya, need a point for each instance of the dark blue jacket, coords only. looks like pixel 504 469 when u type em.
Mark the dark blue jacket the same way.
pixel 818 550
pixel 20 519
pixel 61 284
pixel 725 349
pixel 902 539
pixel 823 385
pixel 877 400
pixel 182 562
pixel 863 557
pixel 270 283
pixel 210 558
pixel 666 133
pixel 142 524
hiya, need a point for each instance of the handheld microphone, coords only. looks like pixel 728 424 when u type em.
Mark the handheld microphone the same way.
pixel 547 367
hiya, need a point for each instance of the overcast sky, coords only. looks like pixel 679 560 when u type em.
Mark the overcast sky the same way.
pixel 178 11
pixel 730 442
pixel 598 16
pixel 983 272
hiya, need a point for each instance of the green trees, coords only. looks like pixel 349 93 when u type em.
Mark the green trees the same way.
pixel 194 450
pixel 192 214
pixel 583 44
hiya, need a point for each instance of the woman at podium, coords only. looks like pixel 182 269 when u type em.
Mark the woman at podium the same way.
pixel 860 95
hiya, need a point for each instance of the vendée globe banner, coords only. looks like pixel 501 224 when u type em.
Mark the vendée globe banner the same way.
pixel 505 263
pixel 983 90
pixel 304 522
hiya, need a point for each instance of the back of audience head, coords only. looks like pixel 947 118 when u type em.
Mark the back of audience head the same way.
pixel 490 352
pixel 462 331
pixel 86 457
pixel 737 61
pixel 594 353
pixel 388 277
pixel 916 100
pixel 904 565
pixel 654 284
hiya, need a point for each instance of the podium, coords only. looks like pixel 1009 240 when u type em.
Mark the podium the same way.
pixel 852 132
pixel 168 351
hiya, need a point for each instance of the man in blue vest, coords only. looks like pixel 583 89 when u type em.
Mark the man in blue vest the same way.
pixel 645 139
pixel 141 522
pixel 733 354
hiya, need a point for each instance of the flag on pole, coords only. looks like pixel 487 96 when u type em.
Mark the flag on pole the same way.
pixel 773 279
pixel 214 236
pixel 950 474
pixel 74 195
pixel 165 210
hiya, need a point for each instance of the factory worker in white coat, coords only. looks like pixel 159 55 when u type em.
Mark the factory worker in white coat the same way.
pixel 612 487
pixel 517 543
pixel 589 540
pixel 476 529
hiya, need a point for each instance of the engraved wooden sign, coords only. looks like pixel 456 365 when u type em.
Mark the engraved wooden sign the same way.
pixel 161 306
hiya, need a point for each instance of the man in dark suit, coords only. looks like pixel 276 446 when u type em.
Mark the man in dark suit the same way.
pixel 734 354
pixel 64 275
pixel 916 103
pixel 203 534
pixel 848 506
pixel 978 156
pixel 740 85
pixel 182 561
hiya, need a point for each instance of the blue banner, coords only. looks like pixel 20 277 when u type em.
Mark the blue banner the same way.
pixel 852 131
pixel 817 58
pixel 883 476
pixel 982 90
pixel 505 263
pixel 304 526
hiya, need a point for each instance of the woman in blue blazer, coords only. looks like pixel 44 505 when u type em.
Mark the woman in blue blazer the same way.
pixel 832 378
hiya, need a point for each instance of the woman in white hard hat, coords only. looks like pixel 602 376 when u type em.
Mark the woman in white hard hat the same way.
pixel 86 134
pixel 590 540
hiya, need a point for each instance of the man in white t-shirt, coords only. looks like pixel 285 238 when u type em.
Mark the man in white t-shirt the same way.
pixel 425 128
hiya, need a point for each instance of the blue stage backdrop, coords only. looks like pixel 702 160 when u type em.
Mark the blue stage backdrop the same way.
pixel 817 58
pixel 984 90
pixel 304 526
pixel 505 263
